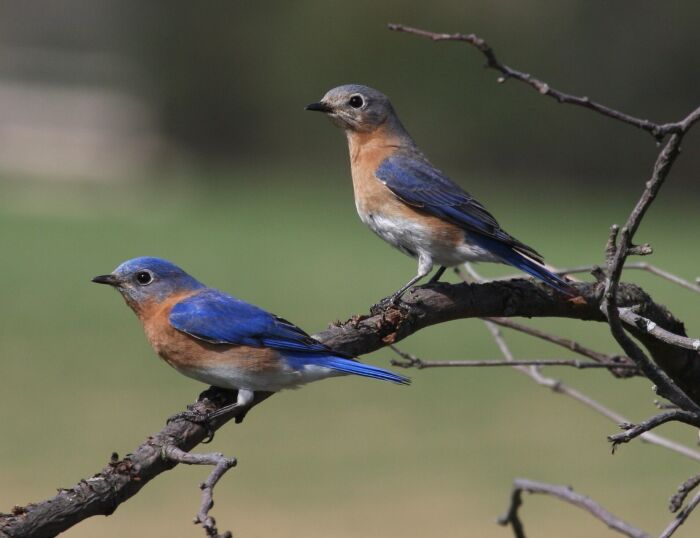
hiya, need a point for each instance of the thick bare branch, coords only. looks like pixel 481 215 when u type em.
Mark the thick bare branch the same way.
pixel 120 479
pixel 422 307
pixel 429 305
pixel 568 495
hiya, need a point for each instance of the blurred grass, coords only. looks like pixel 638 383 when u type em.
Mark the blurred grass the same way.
pixel 345 457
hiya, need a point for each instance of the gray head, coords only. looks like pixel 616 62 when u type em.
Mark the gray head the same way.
pixel 145 280
pixel 356 108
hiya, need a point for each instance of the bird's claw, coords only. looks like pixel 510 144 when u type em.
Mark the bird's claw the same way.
pixel 387 302
pixel 196 418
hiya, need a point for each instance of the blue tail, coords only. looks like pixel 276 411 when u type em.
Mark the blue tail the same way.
pixel 514 258
pixel 359 368
pixel 348 366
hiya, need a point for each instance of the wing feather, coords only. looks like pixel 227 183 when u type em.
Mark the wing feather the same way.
pixel 415 181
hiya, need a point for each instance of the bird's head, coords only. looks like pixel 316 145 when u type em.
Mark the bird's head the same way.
pixel 355 108
pixel 145 280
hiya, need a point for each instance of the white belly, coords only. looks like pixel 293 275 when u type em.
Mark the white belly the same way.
pixel 414 239
pixel 228 376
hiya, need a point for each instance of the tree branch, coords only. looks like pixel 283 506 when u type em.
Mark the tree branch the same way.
pixel 221 465
pixel 641 266
pixel 633 431
pixel 438 303
pixel 676 371
pixel 631 318
pixel 616 253
pixel 420 308
pixel 411 361
pixel 683 490
pixel 565 494
pixel 681 517
pixel 120 479
pixel 566 343
pixel 658 131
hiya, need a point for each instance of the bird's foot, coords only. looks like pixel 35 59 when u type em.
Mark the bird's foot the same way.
pixel 196 418
pixel 384 304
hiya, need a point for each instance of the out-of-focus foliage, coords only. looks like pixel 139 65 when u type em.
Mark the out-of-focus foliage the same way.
pixel 228 79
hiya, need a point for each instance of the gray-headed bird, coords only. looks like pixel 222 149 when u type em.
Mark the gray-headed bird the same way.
pixel 411 204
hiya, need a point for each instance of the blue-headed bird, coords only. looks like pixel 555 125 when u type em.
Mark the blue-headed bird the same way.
pixel 217 339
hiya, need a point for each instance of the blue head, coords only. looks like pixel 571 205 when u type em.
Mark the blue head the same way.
pixel 357 108
pixel 145 280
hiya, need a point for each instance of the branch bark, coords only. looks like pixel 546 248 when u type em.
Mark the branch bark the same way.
pixel 439 303
pixel 658 130
pixel 568 495
pixel 422 307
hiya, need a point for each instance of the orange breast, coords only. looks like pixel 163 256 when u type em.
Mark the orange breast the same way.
pixel 372 197
pixel 185 352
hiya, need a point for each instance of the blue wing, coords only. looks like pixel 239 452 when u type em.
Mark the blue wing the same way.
pixel 418 183
pixel 218 318
pixel 415 181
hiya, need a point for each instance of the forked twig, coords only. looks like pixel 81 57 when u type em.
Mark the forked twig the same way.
pixel 568 495
pixel 632 431
pixel 221 464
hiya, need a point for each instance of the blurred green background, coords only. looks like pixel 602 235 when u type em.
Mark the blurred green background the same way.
pixel 177 129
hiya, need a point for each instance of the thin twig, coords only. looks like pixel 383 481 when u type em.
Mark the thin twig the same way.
pixel 420 364
pixel 658 131
pixel 561 388
pixel 641 266
pixel 633 431
pixel 571 345
pixel 681 517
pixel 568 495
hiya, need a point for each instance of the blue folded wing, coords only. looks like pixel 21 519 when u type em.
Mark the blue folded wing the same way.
pixel 415 181
pixel 218 318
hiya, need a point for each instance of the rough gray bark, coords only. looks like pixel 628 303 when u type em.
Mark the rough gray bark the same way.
pixel 425 306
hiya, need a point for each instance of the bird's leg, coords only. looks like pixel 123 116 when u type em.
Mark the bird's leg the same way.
pixel 425 265
pixel 243 400
pixel 437 275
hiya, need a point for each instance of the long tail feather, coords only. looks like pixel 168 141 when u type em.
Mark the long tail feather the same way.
pixel 349 366
pixel 516 259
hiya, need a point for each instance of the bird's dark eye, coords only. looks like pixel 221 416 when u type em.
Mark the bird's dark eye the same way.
pixel 144 278
pixel 356 101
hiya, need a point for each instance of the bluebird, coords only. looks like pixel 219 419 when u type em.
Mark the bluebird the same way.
pixel 411 204
pixel 217 339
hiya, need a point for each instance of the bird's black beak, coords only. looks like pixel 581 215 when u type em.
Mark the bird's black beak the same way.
pixel 110 280
pixel 319 107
